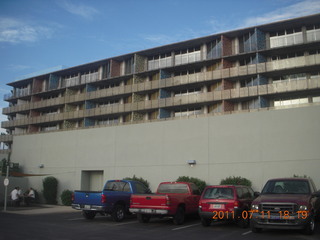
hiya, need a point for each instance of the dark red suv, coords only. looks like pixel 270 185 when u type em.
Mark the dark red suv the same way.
pixel 226 202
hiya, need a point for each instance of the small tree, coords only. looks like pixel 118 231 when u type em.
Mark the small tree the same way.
pixel 198 182
pixel 236 181
pixel 138 179
pixel 50 190
pixel 66 197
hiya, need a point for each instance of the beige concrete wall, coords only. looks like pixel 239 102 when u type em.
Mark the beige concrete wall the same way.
pixel 257 145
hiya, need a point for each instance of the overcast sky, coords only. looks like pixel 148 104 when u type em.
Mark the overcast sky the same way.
pixel 37 34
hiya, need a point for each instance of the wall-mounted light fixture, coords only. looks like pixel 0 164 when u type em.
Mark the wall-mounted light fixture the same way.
pixel 41 165
pixel 191 162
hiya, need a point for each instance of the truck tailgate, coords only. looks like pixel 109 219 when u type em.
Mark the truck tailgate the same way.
pixel 148 201
pixel 87 198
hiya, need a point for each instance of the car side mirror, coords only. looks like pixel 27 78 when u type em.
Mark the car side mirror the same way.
pixel 256 194
pixel 316 194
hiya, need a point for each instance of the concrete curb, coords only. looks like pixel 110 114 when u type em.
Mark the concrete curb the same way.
pixel 39 209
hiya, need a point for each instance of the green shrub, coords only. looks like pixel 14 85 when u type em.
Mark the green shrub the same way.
pixel 50 190
pixel 66 197
pixel 300 176
pixel 198 182
pixel 138 179
pixel 236 181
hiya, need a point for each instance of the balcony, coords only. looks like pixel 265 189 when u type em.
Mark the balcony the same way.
pixel 17 94
pixel 5 151
pixel 6 138
pixel 293 62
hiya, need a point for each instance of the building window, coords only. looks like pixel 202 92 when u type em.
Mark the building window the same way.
pixel 314 52
pixel 187 72
pixel 291 77
pixel 160 61
pixel 189 91
pixel 250 104
pixel 48 128
pixel 184 112
pixel 90 76
pixel 214 49
pixel 246 43
pixel 153 115
pixel 248 82
pixel 108 103
pixel 187 56
pixel 129 64
pixel 217 86
pixel 286 56
pixel 72 80
pixel 50 112
pixel 215 108
pixel 286 37
pixel 22 91
pixel 314 75
pixel 289 102
pixel 246 61
pixel 108 121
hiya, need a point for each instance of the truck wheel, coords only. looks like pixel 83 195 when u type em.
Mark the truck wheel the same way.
pixel 143 218
pixel 205 222
pixel 309 230
pixel 118 213
pixel 89 214
pixel 178 219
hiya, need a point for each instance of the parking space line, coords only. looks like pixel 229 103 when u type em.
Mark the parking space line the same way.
pixel 192 225
pixel 246 233
pixel 125 223
pixel 82 218
pixel 76 219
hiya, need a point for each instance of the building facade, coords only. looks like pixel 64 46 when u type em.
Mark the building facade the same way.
pixel 240 103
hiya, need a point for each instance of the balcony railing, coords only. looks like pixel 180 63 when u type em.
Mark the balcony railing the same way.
pixel 18 93
pixel 6 138
pixel 253 91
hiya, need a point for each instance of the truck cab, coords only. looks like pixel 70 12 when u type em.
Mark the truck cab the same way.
pixel 286 203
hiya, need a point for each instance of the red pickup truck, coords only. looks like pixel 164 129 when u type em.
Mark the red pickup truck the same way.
pixel 175 199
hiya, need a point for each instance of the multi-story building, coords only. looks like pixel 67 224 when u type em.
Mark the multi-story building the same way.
pixel 247 103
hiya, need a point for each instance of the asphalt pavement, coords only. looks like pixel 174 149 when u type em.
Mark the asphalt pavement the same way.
pixel 51 222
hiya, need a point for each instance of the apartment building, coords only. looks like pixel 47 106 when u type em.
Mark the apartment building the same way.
pixel 240 103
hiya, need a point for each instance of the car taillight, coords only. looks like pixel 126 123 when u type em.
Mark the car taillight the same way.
pixel 168 202
pixel 236 204
pixel 103 198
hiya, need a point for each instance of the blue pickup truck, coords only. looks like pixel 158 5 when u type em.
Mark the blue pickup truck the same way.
pixel 114 199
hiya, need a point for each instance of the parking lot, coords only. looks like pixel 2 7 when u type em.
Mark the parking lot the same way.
pixel 65 223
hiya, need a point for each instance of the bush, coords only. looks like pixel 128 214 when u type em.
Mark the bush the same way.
pixel 66 197
pixel 142 180
pixel 236 181
pixel 300 176
pixel 50 190
pixel 36 196
pixel 198 182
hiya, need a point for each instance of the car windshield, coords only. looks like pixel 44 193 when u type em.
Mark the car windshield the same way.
pixel 116 186
pixel 173 188
pixel 218 193
pixel 286 187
